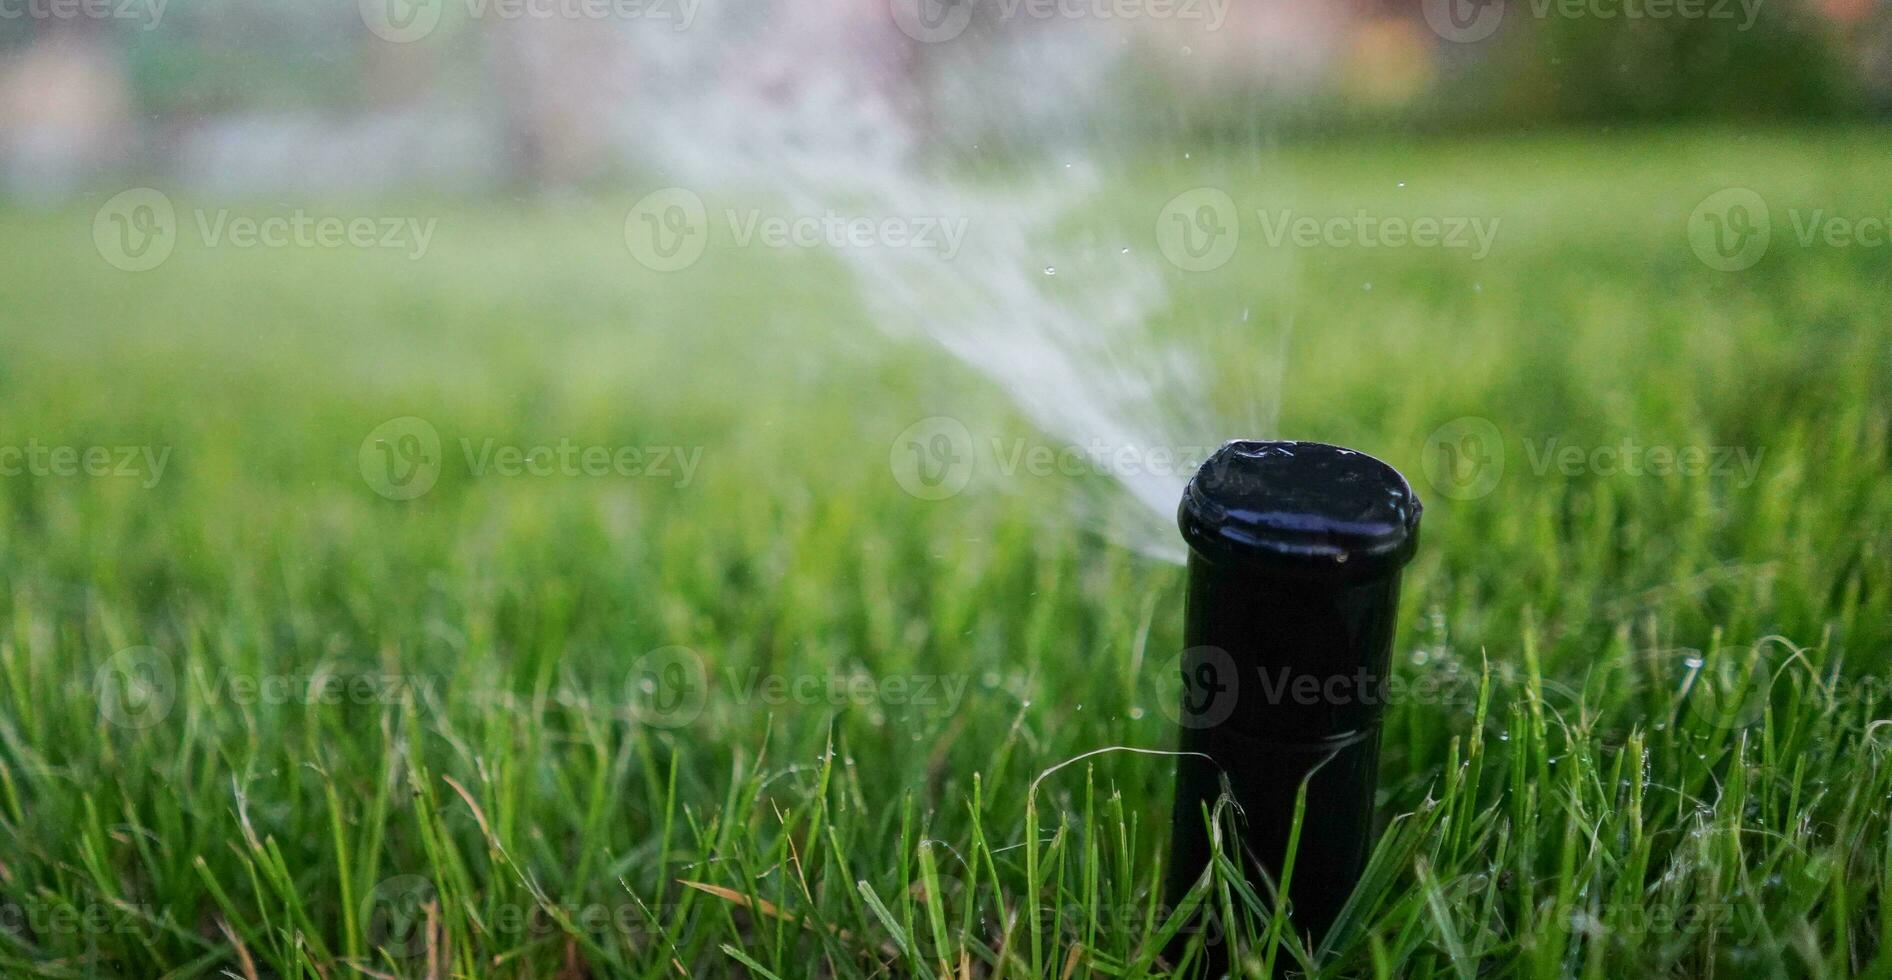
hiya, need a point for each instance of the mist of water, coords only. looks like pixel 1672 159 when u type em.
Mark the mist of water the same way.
pixel 1051 304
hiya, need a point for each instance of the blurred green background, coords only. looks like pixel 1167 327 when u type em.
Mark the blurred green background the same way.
pixel 1659 746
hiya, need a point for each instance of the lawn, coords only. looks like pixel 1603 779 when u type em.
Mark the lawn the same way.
pixel 260 716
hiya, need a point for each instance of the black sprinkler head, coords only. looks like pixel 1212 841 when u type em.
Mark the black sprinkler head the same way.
pixel 1295 550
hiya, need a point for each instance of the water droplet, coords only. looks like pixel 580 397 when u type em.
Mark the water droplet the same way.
pixel 1051 270
pixel 1402 183
pixel 1136 713
pixel 1367 286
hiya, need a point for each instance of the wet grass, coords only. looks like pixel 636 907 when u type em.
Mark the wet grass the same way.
pixel 777 717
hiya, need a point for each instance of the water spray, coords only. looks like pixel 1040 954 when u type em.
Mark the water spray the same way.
pixel 1295 552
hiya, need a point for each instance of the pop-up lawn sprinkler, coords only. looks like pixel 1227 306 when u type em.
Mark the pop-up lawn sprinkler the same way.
pixel 1295 551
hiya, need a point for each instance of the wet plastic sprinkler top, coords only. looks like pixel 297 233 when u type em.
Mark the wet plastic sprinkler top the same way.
pixel 1307 508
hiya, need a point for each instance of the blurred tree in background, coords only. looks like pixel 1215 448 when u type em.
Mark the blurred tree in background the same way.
pixel 281 90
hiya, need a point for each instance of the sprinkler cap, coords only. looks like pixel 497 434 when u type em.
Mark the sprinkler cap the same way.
pixel 1304 509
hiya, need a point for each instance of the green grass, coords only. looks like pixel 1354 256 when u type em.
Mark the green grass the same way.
pixel 498 795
